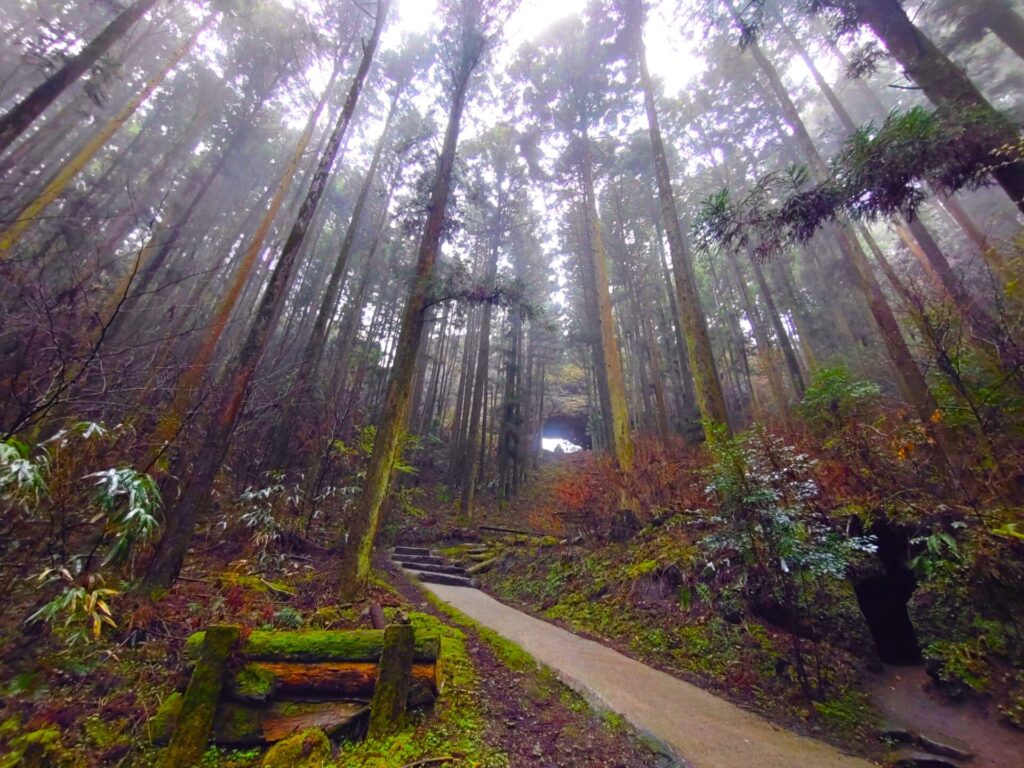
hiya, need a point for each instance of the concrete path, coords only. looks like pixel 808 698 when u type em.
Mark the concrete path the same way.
pixel 703 730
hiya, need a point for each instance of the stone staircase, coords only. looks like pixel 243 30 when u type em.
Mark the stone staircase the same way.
pixel 430 566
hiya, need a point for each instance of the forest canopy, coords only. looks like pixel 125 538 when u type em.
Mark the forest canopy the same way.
pixel 281 280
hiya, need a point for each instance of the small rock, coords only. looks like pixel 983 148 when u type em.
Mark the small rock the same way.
pixel 898 733
pixel 309 749
pixel 912 758
pixel 945 746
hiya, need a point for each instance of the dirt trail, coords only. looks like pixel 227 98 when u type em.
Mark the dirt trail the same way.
pixel 702 729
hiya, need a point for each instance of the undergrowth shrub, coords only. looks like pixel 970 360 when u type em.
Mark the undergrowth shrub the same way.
pixel 77 527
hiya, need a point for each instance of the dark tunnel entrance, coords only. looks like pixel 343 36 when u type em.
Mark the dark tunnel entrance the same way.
pixel 883 598
pixel 571 428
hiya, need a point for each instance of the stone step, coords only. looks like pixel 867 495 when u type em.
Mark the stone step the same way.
pixel 455 570
pixel 413 551
pixel 447 578
pixel 424 559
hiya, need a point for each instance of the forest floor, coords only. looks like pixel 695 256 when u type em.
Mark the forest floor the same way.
pixel 87 705
pixel 626 596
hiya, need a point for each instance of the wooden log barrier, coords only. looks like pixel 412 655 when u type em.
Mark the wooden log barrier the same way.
pixel 264 686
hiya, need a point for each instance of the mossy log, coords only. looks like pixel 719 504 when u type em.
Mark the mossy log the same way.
pixel 387 710
pixel 483 567
pixel 248 725
pixel 317 645
pixel 263 680
pixel 199 704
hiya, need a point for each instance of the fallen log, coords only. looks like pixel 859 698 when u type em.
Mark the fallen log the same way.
pixel 317 645
pixel 258 681
pixel 248 725
pixel 486 565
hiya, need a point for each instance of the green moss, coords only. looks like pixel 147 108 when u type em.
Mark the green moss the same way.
pixel 317 645
pixel 252 683
pixel 199 706
pixel 40 748
pixel 850 713
pixel 238 724
pixel 391 692
pixel 219 757
pixel 255 583
pixel 456 726
pixel 332 617
pixel 308 749
pixel 962 662
pixel 161 725
pixel 1013 709
pixel 287 617
pixel 613 721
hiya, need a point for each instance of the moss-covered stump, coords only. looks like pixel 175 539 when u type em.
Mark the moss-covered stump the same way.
pixel 259 681
pixel 317 645
pixel 387 710
pixel 309 749
pixel 199 704
pixel 161 725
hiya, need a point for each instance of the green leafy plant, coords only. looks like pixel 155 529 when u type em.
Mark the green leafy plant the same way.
pixel 130 500
pixel 83 604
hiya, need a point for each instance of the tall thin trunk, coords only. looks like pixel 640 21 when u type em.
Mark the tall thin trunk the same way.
pixel 944 82
pixel 195 495
pixel 12 235
pixel 314 348
pixel 18 119
pixel 707 386
pixel 363 531
pixel 195 373
pixel 621 443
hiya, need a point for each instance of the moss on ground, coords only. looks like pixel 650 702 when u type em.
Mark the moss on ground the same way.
pixel 643 598
pixel 309 749
pixel 455 727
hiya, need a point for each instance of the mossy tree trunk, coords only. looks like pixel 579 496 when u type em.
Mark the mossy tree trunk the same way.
pixel 707 386
pixel 234 389
pixel 394 414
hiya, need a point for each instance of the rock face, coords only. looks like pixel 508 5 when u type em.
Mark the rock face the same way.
pixel 309 749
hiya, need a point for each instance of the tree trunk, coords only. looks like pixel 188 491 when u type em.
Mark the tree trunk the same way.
pixel 707 386
pixel 621 443
pixel 12 235
pixel 16 121
pixel 314 348
pixel 942 81
pixel 363 532
pixel 181 520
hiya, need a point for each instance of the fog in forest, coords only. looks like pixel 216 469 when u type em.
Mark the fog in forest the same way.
pixel 725 293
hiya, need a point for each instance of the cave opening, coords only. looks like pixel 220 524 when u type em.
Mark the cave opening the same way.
pixel 565 434
pixel 883 597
